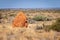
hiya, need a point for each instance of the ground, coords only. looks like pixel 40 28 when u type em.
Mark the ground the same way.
pixel 7 32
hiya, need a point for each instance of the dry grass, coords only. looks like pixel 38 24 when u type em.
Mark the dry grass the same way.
pixel 25 34
pixel 30 33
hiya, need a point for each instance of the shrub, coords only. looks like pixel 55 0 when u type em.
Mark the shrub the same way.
pixel 47 28
pixel 39 18
pixel 0 16
pixel 12 14
pixel 56 26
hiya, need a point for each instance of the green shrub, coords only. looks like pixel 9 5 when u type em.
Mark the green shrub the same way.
pixel 56 26
pixel 12 14
pixel 38 18
pixel 47 28
pixel 0 16
pixel 41 18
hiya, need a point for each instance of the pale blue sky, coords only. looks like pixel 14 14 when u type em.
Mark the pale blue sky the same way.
pixel 29 3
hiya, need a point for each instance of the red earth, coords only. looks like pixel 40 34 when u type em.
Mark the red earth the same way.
pixel 20 20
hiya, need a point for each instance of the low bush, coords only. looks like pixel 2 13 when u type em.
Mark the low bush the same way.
pixel 12 14
pixel 41 18
pixel 0 16
pixel 56 26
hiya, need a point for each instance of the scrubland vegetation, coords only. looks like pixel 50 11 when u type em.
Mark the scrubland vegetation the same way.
pixel 44 24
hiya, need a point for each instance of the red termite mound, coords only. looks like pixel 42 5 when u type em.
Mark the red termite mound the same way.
pixel 20 20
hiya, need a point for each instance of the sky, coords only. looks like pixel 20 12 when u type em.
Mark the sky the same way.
pixel 29 3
